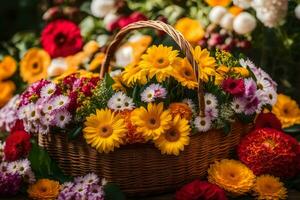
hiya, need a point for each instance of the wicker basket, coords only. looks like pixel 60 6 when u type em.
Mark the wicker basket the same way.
pixel 140 169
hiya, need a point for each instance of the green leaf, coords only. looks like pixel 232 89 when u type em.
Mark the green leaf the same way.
pixel 113 192
pixel 85 7
pixel 108 80
pixel 293 129
pixel 227 128
pixel 74 132
pixel 43 166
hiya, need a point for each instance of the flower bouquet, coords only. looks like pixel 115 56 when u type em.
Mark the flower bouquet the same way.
pixel 183 112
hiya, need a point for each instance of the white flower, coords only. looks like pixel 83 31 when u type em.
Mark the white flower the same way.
pixel 109 19
pixel 272 97
pixel 61 118
pixel 57 67
pixel 203 124
pixel 115 73
pixel 212 112
pixel 216 14
pixel 238 105
pixel 128 104
pixel 297 11
pixel 210 100
pixel 13 167
pixel 31 112
pixel 44 129
pixel 23 166
pixel 242 3
pixel 29 177
pixel 61 101
pixel 48 90
pixel 47 119
pixel 190 103
pixel 90 179
pixel 9 114
pixel 152 92
pixel 124 56
pixel 100 8
pixel 48 107
pixel 79 179
pixel 66 186
pixel 148 95
pixel 263 84
pixel 120 101
pixel 81 189
pixel 244 23
pixel 227 21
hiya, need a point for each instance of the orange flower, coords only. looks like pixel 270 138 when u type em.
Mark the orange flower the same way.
pixel 235 10
pixel 8 67
pixel 218 2
pixel 191 29
pixel 181 109
pixel 44 189
pixel 7 89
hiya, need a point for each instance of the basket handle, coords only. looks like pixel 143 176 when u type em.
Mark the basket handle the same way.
pixel 176 36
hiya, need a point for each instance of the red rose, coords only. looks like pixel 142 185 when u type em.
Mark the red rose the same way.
pixel 267 120
pixel 61 38
pixel 269 151
pixel 235 87
pixel 17 145
pixel 200 190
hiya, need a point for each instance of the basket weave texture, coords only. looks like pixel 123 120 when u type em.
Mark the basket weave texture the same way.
pixel 140 169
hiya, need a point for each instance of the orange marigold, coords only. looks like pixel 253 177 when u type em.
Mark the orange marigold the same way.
pixel 181 109
pixel 44 189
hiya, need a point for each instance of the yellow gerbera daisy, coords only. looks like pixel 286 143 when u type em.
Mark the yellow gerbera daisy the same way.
pixel 231 175
pixel 104 130
pixel 153 121
pixel 7 89
pixel 44 189
pixel 172 141
pixel 191 29
pixel 159 61
pixel 118 83
pixel 206 63
pixel 269 188
pixel 133 74
pixel 287 111
pixel 34 64
pixel 184 73
pixel 217 2
pixel 8 67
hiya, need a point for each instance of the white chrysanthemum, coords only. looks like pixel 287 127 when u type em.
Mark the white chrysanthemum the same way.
pixel 210 100
pixel 61 118
pixel 297 11
pixel 267 96
pixel 100 8
pixel 270 12
pixel 227 21
pixel 29 177
pixel 203 124
pixel 242 3
pixel 120 101
pixel 48 90
pixel 212 112
pixel 272 96
pixel 31 112
pixel 13 167
pixel 263 84
pixel 48 107
pixel 216 14
pixel 57 67
pixel 23 166
pixel 244 23
pixel 90 179
pixel 238 105
pixel 148 95
pixel 60 101
pixel 115 73
pixel 80 189
pixel 190 103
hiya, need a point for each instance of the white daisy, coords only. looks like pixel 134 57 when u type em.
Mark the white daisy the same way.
pixel 271 96
pixel 238 105
pixel 148 95
pixel 61 118
pixel 13 167
pixel 48 107
pixel 44 129
pixel 60 101
pixel 95 192
pixel 29 177
pixel 210 100
pixel 66 186
pixel 46 119
pixel 48 90
pixel 203 124
pixel 23 166
pixel 80 189
pixel 79 179
pixel 90 179
pixel 159 91
pixel 22 112
pixel 263 84
pixel 213 113
pixel 190 103
pixel 128 104
pixel 116 102
pixel 32 113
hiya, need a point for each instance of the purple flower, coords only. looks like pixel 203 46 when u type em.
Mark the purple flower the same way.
pixel 250 88
pixel 95 192
pixel 251 106
pixel 10 184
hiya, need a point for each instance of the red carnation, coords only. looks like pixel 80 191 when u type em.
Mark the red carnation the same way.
pixel 17 145
pixel 61 38
pixel 234 86
pixel 269 151
pixel 267 120
pixel 200 190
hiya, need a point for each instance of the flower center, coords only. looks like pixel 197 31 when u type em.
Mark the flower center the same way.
pixel 60 39
pixel 161 63
pixel 153 123
pixel 105 131
pixel 36 68
pixel 232 85
pixel 43 189
pixel 202 123
pixel 269 143
pixel 260 86
pixel 208 102
pixel 62 118
pixel 172 136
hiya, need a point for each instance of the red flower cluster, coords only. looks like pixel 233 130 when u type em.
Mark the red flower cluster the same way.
pixel 269 151
pixel 125 20
pixel 200 190
pixel 235 87
pixel 61 38
pixel 267 120
pixel 17 145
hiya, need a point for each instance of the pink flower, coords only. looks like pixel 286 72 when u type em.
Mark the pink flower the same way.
pixel 235 87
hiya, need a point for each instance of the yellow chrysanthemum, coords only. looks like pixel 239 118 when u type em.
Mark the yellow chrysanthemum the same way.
pixel 118 84
pixel 244 72
pixel 104 130
pixel 231 175
pixel 184 73
pixel 8 67
pixel 34 64
pixel 172 141
pixel 218 2
pixel 153 121
pixel 287 111
pixel 96 62
pixel 206 63
pixel 181 109
pixel 191 29
pixel 235 10
pixel 269 188
pixel 7 89
pixel 44 189
pixel 133 74
pixel 159 61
